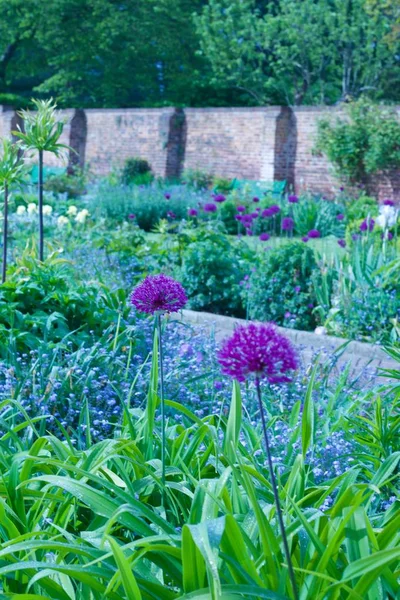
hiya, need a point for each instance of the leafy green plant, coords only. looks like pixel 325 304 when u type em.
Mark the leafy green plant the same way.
pixel 41 133
pixel 281 288
pixel 74 185
pixel 211 272
pixel 364 143
pixel 197 178
pixel 136 171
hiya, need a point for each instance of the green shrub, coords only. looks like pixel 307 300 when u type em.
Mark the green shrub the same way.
pixel 74 185
pixel 44 301
pixel 211 272
pixel 361 208
pixel 136 171
pixel 15 101
pixel 364 143
pixel 280 290
pixel 197 178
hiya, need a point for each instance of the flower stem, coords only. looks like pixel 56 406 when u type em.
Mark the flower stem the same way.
pixel 276 494
pixel 161 361
pixel 5 233
pixel 41 205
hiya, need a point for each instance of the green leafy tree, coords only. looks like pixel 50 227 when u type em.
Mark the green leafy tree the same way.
pixel 42 130
pixel 364 142
pixel 11 174
pixel 298 52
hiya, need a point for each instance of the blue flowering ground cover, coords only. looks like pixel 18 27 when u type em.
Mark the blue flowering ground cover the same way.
pixel 113 485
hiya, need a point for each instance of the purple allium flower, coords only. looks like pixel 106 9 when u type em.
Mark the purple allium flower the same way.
pixel 131 216
pixel 241 208
pixel 287 315
pixel 341 188
pixel 171 214
pixel 264 237
pixel 254 215
pixel 255 199
pixel 297 289
pixel 305 239
pixel 167 196
pixel 275 209
pixel 355 237
pixel 314 233
pixel 340 217
pixel 210 207
pixel 287 224
pixel 219 198
pixel 388 202
pixel 367 225
pixel 267 212
pixel 192 212
pixel 293 199
pixel 238 217
pixel 389 236
pixel 158 293
pixel 258 349
pixel 249 231
pixel 342 243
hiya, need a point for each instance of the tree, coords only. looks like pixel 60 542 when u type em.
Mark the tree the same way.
pixel 313 51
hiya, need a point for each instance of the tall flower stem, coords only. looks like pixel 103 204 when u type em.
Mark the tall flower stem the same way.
pixel 41 205
pixel 5 232
pixel 161 362
pixel 275 491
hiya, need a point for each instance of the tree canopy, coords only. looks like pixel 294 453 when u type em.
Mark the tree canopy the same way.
pixel 104 53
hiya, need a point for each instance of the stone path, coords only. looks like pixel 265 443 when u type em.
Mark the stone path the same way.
pixel 363 357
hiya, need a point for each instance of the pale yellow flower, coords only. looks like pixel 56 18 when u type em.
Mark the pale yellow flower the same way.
pixel 81 216
pixel 21 210
pixel 61 221
pixel 72 211
pixel 47 209
pixel 32 208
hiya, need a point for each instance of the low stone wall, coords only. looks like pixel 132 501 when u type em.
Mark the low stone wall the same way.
pixel 361 355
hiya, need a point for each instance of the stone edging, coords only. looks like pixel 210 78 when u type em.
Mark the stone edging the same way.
pixel 355 350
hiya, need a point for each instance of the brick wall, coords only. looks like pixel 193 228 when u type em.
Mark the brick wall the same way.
pixel 248 143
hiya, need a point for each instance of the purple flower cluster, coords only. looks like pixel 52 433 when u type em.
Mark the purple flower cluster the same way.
pixel 219 198
pixel 293 199
pixel 367 225
pixel 260 350
pixel 210 207
pixel 192 212
pixel 314 233
pixel 158 293
pixel 287 224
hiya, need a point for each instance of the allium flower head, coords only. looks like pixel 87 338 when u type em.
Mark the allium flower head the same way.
pixel 275 209
pixel 210 207
pixel 238 217
pixel 340 217
pixel 167 196
pixel 192 212
pixel 314 233
pixel 241 208
pixel 388 202
pixel 267 212
pixel 219 198
pixel 342 243
pixel 132 217
pixel 256 199
pixel 305 239
pixel 367 225
pixel 287 224
pixel 264 237
pixel 293 199
pixel 258 349
pixel 158 293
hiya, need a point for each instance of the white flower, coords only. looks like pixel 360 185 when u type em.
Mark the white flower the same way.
pixel 21 210
pixel 320 330
pixel 387 216
pixel 47 209
pixel 81 216
pixel 71 212
pixel 32 208
pixel 61 221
